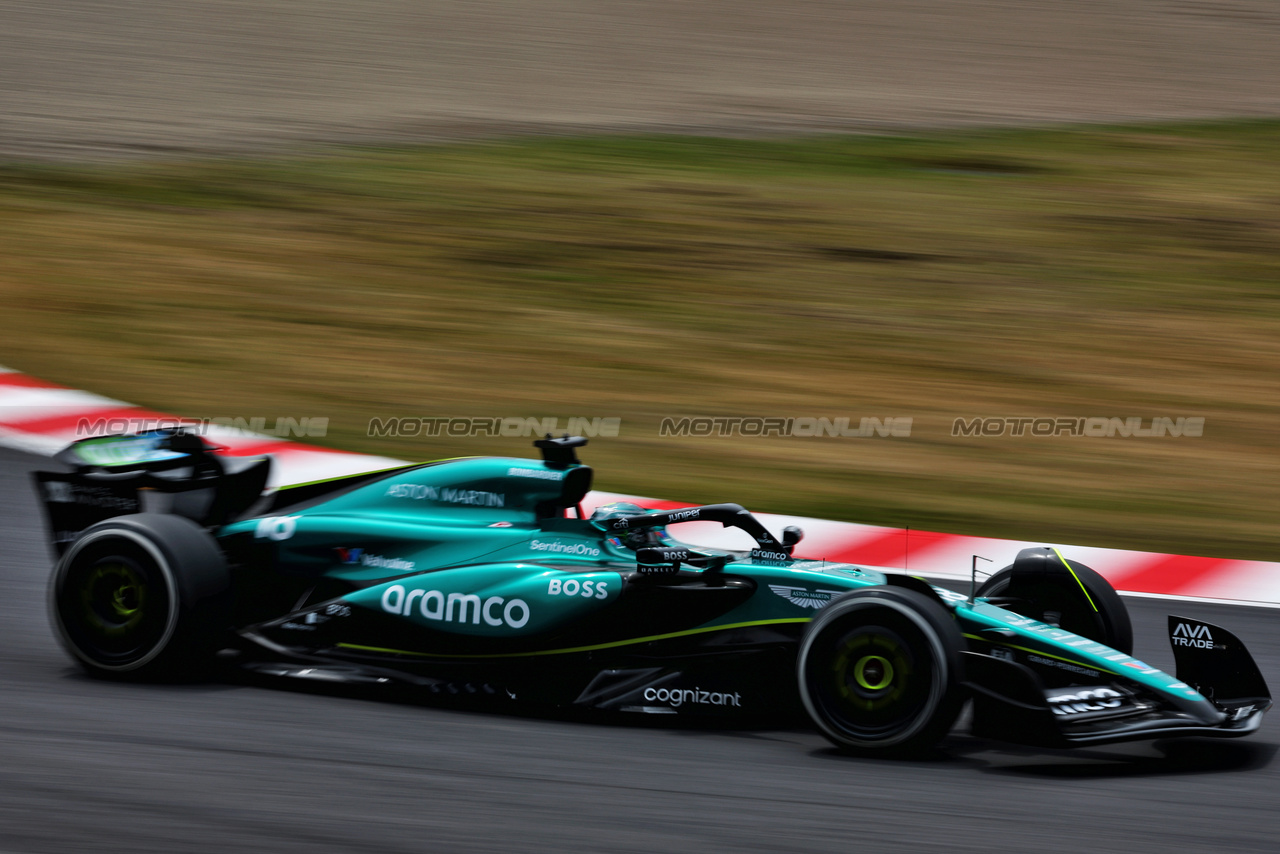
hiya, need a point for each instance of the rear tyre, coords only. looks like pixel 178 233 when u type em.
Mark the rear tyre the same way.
pixel 879 671
pixel 1043 592
pixel 141 597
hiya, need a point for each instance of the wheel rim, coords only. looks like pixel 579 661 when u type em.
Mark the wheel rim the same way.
pixel 874 672
pixel 111 603
pixel 113 598
pixel 873 682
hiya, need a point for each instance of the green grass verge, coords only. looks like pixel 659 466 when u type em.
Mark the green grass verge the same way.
pixel 1128 271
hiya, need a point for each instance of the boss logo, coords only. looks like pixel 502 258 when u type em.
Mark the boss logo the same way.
pixel 572 587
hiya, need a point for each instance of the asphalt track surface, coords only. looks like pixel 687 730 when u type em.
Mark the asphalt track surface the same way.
pixel 88 78
pixel 96 766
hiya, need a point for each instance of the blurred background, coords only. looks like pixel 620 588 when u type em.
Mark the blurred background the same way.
pixel 643 210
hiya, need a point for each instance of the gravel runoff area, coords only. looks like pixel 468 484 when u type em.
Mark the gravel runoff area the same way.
pixel 91 78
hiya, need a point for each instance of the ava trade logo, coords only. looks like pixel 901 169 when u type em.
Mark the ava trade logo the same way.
pixel 1192 634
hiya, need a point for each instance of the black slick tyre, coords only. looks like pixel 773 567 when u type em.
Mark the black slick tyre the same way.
pixel 879 671
pixel 1064 593
pixel 143 597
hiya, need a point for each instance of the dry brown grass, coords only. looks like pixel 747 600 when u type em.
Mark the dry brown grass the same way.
pixel 1087 272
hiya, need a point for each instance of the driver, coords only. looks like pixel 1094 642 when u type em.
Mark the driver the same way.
pixel 634 538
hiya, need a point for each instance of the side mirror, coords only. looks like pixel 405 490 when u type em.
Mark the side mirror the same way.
pixel 791 535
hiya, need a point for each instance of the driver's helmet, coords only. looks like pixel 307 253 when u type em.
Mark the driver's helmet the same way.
pixel 602 516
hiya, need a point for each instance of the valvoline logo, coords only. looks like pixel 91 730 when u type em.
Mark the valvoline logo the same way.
pixel 349 557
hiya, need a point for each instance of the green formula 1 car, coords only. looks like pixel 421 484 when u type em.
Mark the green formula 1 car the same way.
pixel 480 577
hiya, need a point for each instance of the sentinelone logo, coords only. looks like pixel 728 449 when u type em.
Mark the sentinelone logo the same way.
pixel 801 427
pixel 563 548
pixel 1090 427
pixel 607 428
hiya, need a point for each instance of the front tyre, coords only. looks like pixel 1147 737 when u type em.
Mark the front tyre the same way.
pixel 143 596
pixel 879 671
pixel 1043 585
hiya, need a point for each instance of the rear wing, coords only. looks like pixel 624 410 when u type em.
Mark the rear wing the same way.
pixel 165 471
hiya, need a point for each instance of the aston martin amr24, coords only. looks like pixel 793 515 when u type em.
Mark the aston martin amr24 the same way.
pixel 482 578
